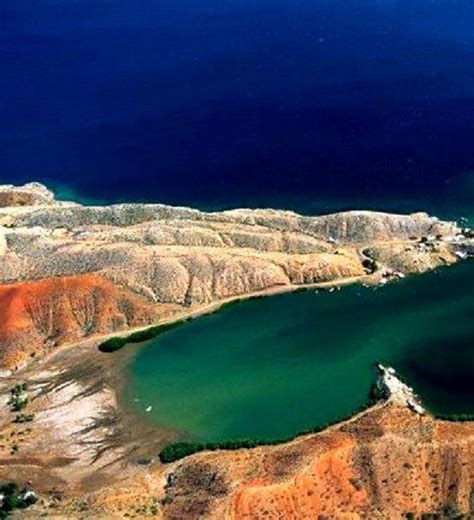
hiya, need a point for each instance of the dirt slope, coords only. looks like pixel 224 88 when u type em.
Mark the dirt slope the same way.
pixel 385 464
pixel 38 316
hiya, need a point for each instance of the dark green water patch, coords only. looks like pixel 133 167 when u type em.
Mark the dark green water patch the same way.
pixel 272 367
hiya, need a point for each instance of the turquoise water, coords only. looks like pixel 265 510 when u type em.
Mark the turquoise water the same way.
pixel 271 367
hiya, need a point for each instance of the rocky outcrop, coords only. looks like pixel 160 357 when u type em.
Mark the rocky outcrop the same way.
pixel 31 194
pixel 170 259
pixel 392 388
pixel 38 316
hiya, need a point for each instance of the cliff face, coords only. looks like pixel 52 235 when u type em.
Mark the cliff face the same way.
pixel 385 464
pixel 148 261
pixel 38 316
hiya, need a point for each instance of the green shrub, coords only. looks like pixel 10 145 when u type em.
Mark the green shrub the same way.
pixel 179 450
pixel 111 345
pixel 13 499
pixel 370 265
pixel 464 417
pixel 23 417
pixel 18 399
pixel 114 344
pixel 19 404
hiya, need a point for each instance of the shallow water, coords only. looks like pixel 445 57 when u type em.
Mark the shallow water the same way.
pixel 271 367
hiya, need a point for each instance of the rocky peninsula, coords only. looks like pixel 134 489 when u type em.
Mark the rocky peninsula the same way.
pixel 72 276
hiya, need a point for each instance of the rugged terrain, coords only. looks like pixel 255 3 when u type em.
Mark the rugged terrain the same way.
pixel 72 275
pixel 87 459
pixel 70 272
pixel 385 464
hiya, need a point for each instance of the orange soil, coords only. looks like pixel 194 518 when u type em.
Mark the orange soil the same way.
pixel 384 464
pixel 40 315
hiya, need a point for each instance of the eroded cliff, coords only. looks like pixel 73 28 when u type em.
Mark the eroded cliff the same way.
pixel 129 265
pixel 387 463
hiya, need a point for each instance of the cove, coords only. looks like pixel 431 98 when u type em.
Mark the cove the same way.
pixel 271 367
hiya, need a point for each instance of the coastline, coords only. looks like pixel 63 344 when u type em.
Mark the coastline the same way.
pixel 153 397
pixel 191 314
pixel 218 305
pixel 74 390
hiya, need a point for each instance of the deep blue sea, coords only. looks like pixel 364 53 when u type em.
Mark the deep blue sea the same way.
pixel 314 105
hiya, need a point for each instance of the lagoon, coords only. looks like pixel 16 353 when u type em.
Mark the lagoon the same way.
pixel 271 367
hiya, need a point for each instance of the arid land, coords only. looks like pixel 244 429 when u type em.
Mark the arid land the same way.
pixel 72 276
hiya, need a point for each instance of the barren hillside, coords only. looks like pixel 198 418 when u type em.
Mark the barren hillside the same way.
pixel 70 272
pixel 72 275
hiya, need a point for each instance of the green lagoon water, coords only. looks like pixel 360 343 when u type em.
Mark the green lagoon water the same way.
pixel 271 367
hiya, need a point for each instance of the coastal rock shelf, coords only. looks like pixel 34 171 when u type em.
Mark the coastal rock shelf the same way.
pixel 398 391
pixel 71 272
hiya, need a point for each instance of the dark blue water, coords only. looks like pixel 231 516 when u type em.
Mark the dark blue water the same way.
pixel 309 104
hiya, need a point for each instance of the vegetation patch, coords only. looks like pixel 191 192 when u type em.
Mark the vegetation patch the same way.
pixel 23 417
pixel 178 450
pixel 114 344
pixel 463 417
pixel 370 265
pixel 12 497
pixel 18 397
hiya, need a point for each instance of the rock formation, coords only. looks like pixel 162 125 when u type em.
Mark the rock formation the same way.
pixel 31 194
pixel 136 264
